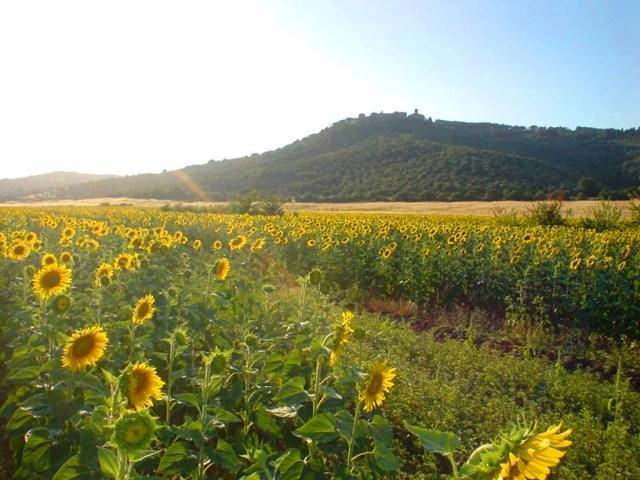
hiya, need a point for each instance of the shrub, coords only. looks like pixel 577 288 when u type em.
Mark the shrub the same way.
pixel 547 213
pixel 605 216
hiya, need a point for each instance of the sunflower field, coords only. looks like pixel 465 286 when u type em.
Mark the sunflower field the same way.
pixel 139 343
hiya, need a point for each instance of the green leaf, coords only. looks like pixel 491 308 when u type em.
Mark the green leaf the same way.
pixel 434 441
pixel 36 450
pixel 225 455
pixel 108 462
pixel 320 428
pixel 189 399
pixel 178 459
pixel 73 469
pixel 294 387
pixel 289 465
pixel 385 458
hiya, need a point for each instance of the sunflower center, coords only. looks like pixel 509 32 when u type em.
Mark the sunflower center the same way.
pixel 83 346
pixel 143 309
pixel 375 384
pixel 19 250
pixel 135 433
pixel 50 279
pixel 140 382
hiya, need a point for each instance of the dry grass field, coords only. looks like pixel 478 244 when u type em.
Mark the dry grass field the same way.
pixel 577 208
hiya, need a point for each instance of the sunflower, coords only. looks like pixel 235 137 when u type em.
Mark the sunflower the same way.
pixel 84 348
pixel 379 383
pixel 386 253
pixel 221 268
pixel 575 263
pixel 342 336
pixel 197 245
pixel 134 431
pixel 48 259
pixel 143 309
pixel 311 243
pixel 68 232
pixel 143 385
pixel 51 280
pixel 536 455
pixel 18 250
pixel 66 258
pixel 61 304
pixel 217 245
pixel 257 245
pixel 104 271
pixel 238 243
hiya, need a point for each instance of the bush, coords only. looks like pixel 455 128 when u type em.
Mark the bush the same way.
pixel 605 216
pixel 547 213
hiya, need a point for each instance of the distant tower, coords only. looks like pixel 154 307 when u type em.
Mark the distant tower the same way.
pixel 415 111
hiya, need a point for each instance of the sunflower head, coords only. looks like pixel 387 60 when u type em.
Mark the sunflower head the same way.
pixel 221 268
pixel 18 250
pixel 342 336
pixel 143 386
pixel 135 431
pixel 84 348
pixel 315 276
pixel 197 245
pixel 217 245
pixel 143 310
pixel 48 259
pixel 66 258
pixel 530 455
pixel 51 280
pixel 238 243
pixel 61 304
pixel 378 384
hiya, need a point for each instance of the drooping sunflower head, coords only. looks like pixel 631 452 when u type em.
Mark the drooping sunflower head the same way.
pixel 532 455
pixel 51 280
pixel 342 336
pixel 103 272
pixel 144 309
pixel 143 386
pixel 378 384
pixel 84 348
pixel 135 431
pixel 221 268
pixel 18 250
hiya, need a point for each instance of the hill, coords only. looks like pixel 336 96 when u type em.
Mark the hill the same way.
pixel 409 158
pixel 39 185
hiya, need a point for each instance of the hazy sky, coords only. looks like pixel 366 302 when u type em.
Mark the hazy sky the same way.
pixel 138 86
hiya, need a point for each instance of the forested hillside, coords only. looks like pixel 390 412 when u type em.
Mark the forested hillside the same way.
pixel 407 157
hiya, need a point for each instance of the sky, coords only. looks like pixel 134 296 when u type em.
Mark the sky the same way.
pixel 124 87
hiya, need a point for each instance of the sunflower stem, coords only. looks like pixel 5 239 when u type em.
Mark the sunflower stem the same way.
pixel 454 467
pixel 353 434
pixel 316 395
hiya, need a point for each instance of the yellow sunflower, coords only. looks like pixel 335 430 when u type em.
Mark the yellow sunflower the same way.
pixel 143 386
pixel 342 336
pixel 217 245
pixel 197 245
pixel 536 455
pixel 18 250
pixel 379 383
pixel 84 348
pixel 51 280
pixel 66 258
pixel 48 259
pixel 143 309
pixel 104 271
pixel 221 268
pixel 238 243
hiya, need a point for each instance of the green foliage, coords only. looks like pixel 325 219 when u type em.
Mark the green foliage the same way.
pixel 605 216
pixel 547 213
pixel 406 158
